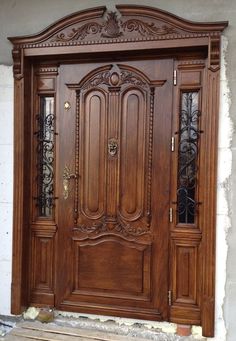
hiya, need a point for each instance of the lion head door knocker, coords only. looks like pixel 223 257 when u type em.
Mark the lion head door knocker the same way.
pixel 112 147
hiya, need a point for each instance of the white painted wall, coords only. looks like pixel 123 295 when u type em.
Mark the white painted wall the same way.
pixel 6 185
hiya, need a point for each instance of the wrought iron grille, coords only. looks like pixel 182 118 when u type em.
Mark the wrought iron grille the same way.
pixel 189 134
pixel 45 157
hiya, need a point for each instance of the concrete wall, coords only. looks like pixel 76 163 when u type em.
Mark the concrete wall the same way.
pixel 23 17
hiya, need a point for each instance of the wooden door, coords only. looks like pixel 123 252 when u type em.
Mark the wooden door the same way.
pixel 114 124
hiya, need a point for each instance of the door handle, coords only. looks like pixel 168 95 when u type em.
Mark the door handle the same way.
pixel 66 181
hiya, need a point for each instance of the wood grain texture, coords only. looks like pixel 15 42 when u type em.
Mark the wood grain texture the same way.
pixel 125 196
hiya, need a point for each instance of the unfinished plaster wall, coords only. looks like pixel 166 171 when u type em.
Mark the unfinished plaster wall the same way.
pixel 6 180
pixel 23 17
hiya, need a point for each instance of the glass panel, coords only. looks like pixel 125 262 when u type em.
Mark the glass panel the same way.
pixel 188 157
pixel 45 156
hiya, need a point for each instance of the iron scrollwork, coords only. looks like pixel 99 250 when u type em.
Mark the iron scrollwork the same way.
pixel 189 134
pixel 45 157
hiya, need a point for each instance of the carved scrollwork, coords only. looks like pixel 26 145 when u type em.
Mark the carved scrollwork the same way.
pixel 100 78
pixel 118 227
pixel 146 29
pixel 128 77
pixel 79 33
pixel 111 78
pixel 112 27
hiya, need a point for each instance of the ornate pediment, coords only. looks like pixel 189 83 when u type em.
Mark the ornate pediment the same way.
pixel 113 28
pixel 128 25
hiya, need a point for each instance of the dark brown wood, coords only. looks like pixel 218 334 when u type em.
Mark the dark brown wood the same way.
pixel 112 226
pixel 62 61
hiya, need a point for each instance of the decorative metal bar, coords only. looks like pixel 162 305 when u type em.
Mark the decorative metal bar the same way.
pixel 45 157
pixel 189 134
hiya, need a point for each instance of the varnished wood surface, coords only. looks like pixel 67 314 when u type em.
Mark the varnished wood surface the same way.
pixel 47 252
pixel 122 265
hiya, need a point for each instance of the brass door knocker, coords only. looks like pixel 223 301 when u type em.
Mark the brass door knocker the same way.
pixel 112 147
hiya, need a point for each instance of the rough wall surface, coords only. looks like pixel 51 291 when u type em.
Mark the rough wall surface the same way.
pixel 23 17
pixel 6 185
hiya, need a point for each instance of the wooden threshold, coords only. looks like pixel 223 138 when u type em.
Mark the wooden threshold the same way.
pixel 31 331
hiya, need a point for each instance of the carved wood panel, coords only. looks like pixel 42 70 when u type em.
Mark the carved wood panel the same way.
pixel 114 254
pixel 93 142
pixel 114 115
pixel 99 276
pixel 42 266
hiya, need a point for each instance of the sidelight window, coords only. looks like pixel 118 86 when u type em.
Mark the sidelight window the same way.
pixel 45 156
pixel 188 157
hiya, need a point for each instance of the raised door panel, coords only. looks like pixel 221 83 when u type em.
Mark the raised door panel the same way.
pixel 121 270
pixel 42 250
pixel 132 155
pixel 93 168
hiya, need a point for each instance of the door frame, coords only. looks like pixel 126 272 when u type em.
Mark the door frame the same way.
pixel 96 31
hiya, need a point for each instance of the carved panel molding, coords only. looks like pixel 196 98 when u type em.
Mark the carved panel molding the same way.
pixel 121 84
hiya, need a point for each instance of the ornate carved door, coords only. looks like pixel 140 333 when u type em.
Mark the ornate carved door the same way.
pixel 114 170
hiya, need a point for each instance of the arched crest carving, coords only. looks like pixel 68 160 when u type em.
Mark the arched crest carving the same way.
pixel 129 24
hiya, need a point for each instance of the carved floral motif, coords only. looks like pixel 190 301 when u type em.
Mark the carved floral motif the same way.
pixel 118 226
pixel 107 78
pixel 112 26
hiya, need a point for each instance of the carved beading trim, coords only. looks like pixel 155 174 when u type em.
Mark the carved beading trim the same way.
pixel 49 70
pixel 115 40
pixel 77 146
pixel 150 143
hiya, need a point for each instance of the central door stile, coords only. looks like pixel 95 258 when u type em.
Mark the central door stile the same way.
pixel 113 155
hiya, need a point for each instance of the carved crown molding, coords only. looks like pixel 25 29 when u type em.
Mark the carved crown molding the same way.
pixel 128 24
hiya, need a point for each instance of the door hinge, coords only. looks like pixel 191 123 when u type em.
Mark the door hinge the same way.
pixel 173 144
pixel 169 297
pixel 175 77
pixel 171 215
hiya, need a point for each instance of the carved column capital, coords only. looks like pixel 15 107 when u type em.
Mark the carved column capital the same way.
pixel 18 58
pixel 214 53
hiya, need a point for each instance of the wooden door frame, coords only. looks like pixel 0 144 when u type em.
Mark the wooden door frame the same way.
pixel 137 29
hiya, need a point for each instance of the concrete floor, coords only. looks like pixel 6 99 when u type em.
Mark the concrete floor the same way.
pixel 84 329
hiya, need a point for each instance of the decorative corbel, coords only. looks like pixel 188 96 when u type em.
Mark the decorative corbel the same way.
pixel 18 59
pixel 214 53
